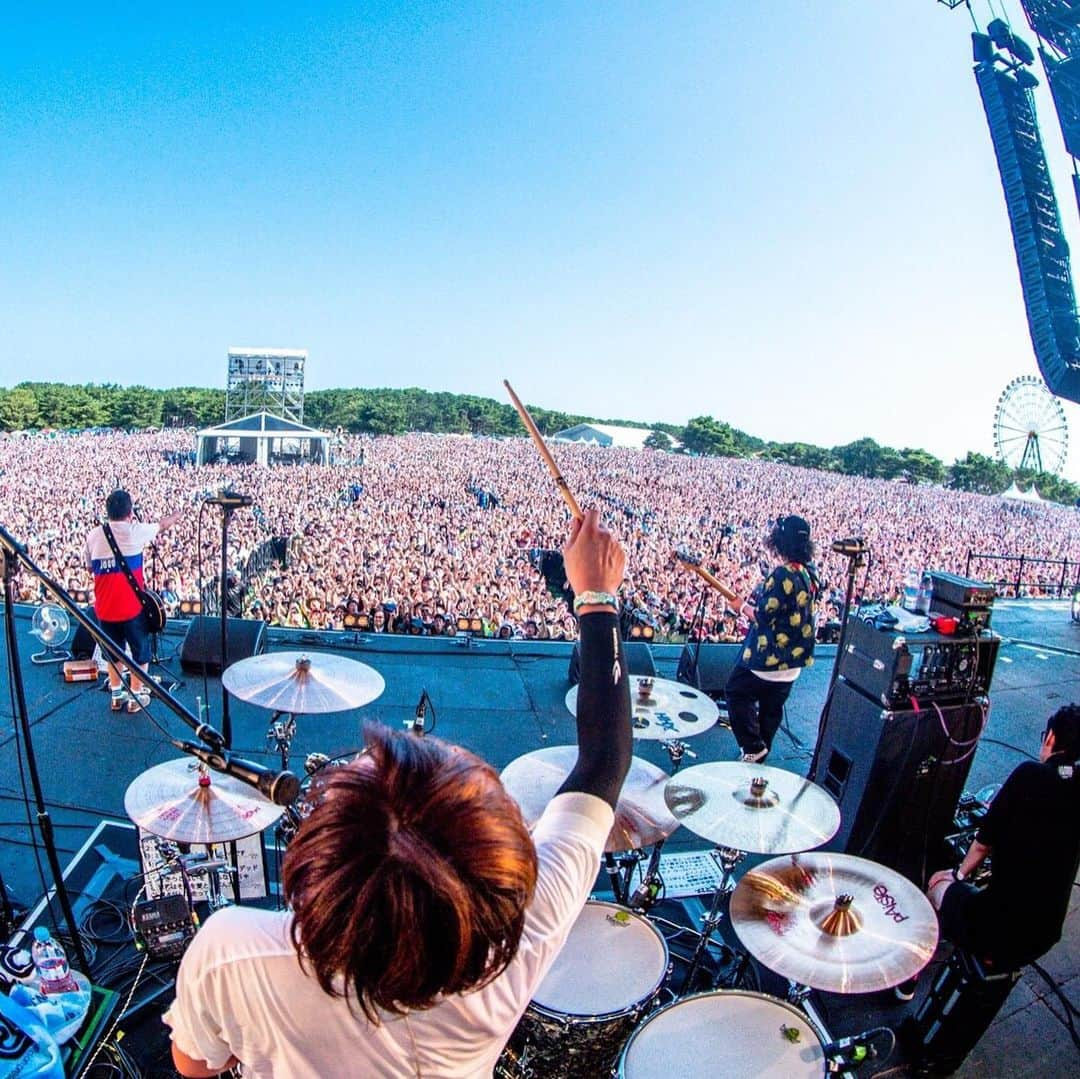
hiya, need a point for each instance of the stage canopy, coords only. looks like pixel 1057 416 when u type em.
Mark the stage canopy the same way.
pixel 262 438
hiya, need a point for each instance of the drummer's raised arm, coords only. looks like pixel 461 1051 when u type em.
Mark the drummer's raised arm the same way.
pixel 595 566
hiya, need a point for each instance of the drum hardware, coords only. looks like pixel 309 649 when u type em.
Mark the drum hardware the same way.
pixel 834 922
pixel 280 733
pixel 725 1032
pixel 670 711
pixel 651 886
pixel 303 683
pixel 676 749
pixel 608 975
pixel 182 801
pixel 752 807
pixel 641 815
pixel 727 858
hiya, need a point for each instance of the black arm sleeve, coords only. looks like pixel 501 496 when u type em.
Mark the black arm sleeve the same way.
pixel 605 738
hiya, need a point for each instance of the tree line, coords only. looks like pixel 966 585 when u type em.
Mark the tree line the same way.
pixel 35 405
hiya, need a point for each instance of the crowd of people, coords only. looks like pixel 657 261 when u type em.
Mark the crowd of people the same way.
pixel 431 533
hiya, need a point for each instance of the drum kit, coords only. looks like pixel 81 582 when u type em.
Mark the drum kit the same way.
pixel 824 921
pixel 831 922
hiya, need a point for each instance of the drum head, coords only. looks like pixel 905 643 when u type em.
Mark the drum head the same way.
pixel 724 1033
pixel 611 961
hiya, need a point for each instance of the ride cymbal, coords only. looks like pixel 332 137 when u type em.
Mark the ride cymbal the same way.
pixel 303 683
pixel 641 818
pixel 752 807
pixel 183 801
pixel 670 710
pixel 834 922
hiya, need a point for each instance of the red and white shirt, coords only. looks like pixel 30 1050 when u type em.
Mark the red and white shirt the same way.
pixel 114 600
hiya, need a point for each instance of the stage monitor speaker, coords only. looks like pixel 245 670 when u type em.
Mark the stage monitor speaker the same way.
pixel 710 669
pixel 202 644
pixel 897 776
pixel 82 644
pixel 639 660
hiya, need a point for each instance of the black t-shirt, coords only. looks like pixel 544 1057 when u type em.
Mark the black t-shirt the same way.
pixel 1033 830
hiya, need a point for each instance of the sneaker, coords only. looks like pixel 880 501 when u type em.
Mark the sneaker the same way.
pixel 905 991
pixel 118 697
pixel 138 701
pixel 753 758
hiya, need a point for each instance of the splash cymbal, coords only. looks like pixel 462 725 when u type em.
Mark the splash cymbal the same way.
pixel 303 683
pixel 834 922
pixel 641 818
pixel 752 807
pixel 670 710
pixel 182 801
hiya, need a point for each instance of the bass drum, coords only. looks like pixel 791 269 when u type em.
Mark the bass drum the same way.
pixel 727 1032
pixel 606 977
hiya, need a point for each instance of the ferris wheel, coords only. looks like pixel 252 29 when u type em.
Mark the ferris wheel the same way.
pixel 1029 426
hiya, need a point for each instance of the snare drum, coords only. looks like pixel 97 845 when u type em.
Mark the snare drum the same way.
pixel 728 1032
pixel 602 982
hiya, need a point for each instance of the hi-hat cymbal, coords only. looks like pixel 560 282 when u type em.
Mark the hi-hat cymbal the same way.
pixel 671 709
pixel 641 818
pixel 303 683
pixel 752 807
pixel 834 922
pixel 179 800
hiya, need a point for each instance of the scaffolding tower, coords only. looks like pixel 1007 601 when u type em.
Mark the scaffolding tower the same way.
pixel 265 379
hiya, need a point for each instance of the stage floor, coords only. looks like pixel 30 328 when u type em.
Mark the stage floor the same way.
pixel 501 700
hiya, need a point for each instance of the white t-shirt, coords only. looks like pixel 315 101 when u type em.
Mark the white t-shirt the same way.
pixel 241 990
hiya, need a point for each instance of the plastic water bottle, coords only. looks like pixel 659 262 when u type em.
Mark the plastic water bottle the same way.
pixel 925 596
pixel 911 590
pixel 50 962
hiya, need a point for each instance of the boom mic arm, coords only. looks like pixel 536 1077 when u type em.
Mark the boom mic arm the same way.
pixel 281 788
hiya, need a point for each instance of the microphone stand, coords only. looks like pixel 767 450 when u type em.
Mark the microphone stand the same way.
pixel 11 553
pixel 856 560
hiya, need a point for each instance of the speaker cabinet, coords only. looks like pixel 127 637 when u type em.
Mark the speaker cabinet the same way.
pixel 897 776
pixel 82 644
pixel 639 660
pixel 201 649
pixel 709 669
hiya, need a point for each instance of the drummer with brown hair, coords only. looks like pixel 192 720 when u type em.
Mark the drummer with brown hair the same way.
pixel 423 913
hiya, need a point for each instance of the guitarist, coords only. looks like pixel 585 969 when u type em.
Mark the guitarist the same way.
pixel 779 643
pixel 117 605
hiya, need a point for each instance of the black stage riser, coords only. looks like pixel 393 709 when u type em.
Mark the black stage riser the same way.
pixel 897 776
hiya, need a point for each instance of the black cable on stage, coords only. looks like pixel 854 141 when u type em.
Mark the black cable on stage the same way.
pixel 1070 1009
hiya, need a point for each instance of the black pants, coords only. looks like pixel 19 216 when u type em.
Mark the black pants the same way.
pixel 755 708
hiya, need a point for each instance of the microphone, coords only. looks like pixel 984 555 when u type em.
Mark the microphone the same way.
pixel 850 545
pixel 281 788
pixel 417 722
pixel 229 498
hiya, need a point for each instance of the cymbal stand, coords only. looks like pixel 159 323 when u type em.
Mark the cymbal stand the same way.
pixel 676 749
pixel 280 733
pixel 619 869
pixel 727 858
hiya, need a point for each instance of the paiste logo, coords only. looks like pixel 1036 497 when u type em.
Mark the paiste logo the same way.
pixel 888 903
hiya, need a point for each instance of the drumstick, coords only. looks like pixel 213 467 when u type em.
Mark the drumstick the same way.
pixel 709 579
pixel 538 439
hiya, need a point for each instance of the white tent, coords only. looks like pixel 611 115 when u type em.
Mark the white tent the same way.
pixel 1014 492
pixel 605 434
pixel 263 438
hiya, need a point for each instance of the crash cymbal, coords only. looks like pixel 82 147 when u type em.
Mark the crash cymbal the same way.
pixel 181 801
pixel 303 683
pixel 671 709
pixel 752 807
pixel 834 922
pixel 641 818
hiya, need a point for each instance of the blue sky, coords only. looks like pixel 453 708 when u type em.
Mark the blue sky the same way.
pixel 783 214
